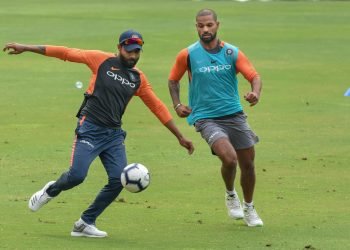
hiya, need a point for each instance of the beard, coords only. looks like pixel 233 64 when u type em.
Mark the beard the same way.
pixel 128 63
pixel 207 37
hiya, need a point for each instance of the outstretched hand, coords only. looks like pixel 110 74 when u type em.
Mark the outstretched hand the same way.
pixel 14 48
pixel 187 144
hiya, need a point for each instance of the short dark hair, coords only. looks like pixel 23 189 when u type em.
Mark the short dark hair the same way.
pixel 206 12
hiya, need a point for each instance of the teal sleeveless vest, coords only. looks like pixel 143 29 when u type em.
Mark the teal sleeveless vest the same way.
pixel 213 85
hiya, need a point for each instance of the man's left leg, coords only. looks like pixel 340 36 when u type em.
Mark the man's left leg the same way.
pixel 246 162
pixel 114 161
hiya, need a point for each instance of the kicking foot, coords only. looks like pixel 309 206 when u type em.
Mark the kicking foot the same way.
pixel 40 198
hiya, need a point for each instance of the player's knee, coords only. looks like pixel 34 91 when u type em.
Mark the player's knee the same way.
pixel 248 166
pixel 114 183
pixel 229 161
pixel 76 179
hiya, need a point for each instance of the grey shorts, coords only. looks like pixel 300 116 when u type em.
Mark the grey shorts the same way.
pixel 234 127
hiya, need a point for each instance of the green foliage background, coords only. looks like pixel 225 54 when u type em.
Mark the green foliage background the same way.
pixel 301 49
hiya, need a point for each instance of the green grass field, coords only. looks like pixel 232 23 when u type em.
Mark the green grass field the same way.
pixel 301 50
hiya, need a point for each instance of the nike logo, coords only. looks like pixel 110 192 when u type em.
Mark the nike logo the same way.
pixel 213 61
pixel 113 68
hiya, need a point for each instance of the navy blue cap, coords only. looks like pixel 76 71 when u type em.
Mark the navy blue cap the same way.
pixel 128 35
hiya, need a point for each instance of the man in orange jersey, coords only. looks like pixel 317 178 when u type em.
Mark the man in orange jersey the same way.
pixel 215 110
pixel 114 81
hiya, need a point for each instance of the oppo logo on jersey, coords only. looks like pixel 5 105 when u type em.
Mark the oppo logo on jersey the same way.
pixel 215 68
pixel 122 80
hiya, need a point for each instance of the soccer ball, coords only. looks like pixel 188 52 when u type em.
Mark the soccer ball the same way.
pixel 135 177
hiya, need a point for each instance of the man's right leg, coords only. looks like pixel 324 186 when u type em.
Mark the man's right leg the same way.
pixel 82 156
pixel 217 139
pixel 225 151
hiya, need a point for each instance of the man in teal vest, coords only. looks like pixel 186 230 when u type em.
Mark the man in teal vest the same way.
pixel 215 109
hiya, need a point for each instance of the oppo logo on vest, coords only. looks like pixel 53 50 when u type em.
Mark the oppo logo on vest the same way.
pixel 122 80
pixel 215 68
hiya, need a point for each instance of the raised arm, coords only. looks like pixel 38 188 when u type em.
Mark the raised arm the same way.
pixel 17 48
pixel 92 58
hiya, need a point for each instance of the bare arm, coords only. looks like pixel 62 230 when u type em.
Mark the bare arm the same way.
pixel 174 89
pixel 158 108
pixel 182 140
pixel 16 48
pixel 253 96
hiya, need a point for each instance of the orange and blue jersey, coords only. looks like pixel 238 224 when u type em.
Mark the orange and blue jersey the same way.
pixel 111 87
pixel 213 83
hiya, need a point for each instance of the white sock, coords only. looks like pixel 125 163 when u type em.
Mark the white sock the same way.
pixel 250 204
pixel 231 193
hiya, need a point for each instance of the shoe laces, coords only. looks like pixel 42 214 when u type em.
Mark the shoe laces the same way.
pixel 251 213
pixel 233 201
pixel 94 228
pixel 44 198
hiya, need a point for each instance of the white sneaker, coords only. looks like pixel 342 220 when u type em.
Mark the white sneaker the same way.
pixel 81 229
pixel 234 208
pixel 40 198
pixel 251 217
